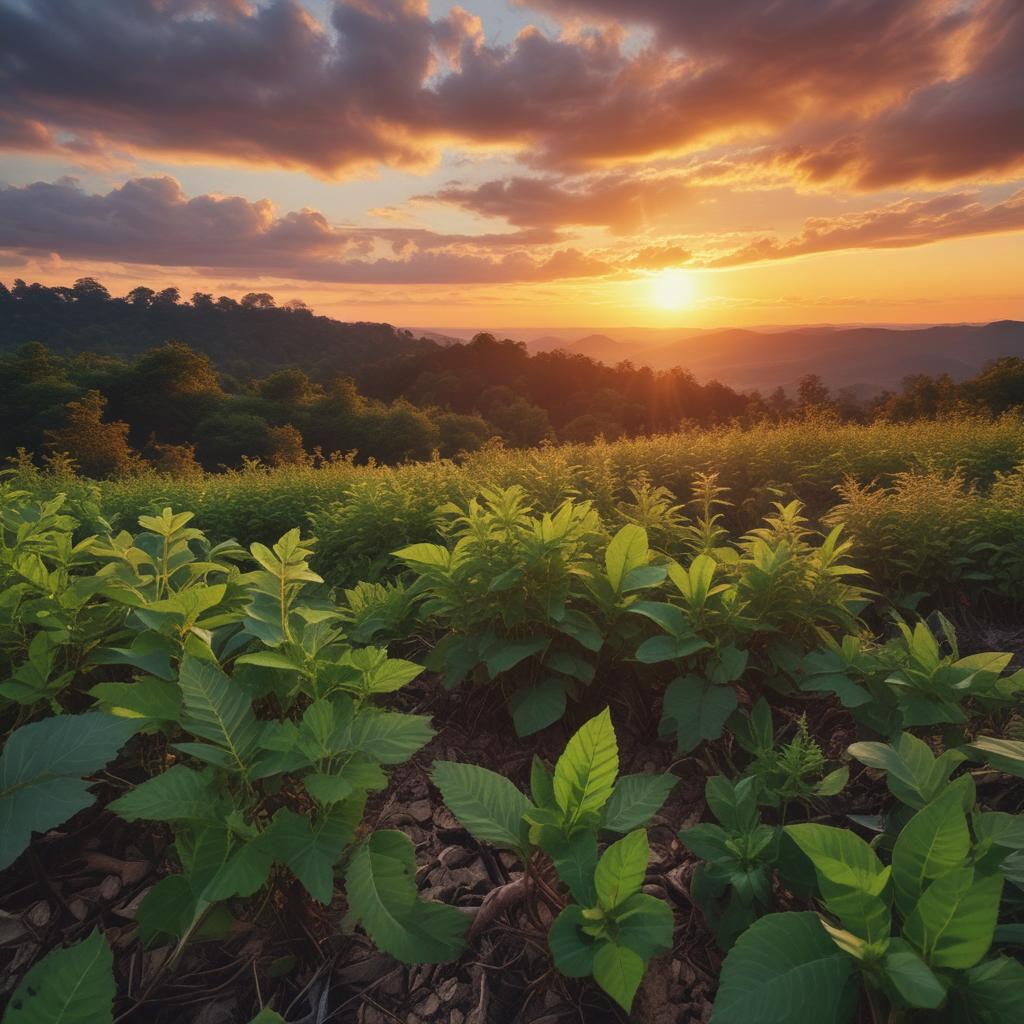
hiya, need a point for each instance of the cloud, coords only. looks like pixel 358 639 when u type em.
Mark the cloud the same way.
pixel 620 202
pixel 896 226
pixel 151 221
pixel 908 90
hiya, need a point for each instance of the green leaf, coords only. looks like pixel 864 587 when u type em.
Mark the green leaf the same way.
pixel 41 770
pixel 619 971
pixel 510 653
pixel 784 968
pixel 913 774
pixel 936 840
pixel 150 699
pixel 389 737
pixel 267 1016
pixel 1004 755
pixel 311 850
pixel 644 924
pixel 536 707
pixel 627 550
pixel 571 949
pixel 621 870
pixel 994 992
pixel 851 879
pixel 218 710
pixel 585 773
pixel 381 888
pixel 636 799
pixel 913 978
pixel 668 648
pixel 487 804
pixel 167 911
pixel 575 859
pixel 695 709
pixel 74 985
pixel 542 787
pixel 178 794
pixel 954 919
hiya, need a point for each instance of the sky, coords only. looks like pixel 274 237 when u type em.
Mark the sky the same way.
pixel 593 163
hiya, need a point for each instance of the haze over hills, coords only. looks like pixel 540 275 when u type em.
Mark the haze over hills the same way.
pixel 867 359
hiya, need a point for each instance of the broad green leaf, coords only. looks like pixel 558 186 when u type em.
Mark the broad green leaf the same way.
pixel 912 977
pixel 936 840
pixel 311 850
pixel 243 873
pixel 571 949
pixel 150 699
pixel 424 554
pixel 785 968
pixel 74 985
pixel 694 710
pixel 626 550
pixel 585 773
pixel 390 737
pixel 621 870
pixel 1004 755
pixel 381 889
pixel 636 799
pixel 953 921
pixel 913 774
pixel 619 971
pixel 218 710
pixel 668 648
pixel 510 653
pixel 268 1016
pixel 574 857
pixel 851 879
pixel 167 911
pixel 644 924
pixel 734 804
pixel 994 992
pixel 178 794
pixel 536 707
pixel 41 770
pixel 487 804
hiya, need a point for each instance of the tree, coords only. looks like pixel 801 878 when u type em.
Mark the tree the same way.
pixel 812 392
pixel 287 387
pixel 284 447
pixel 88 289
pixel 141 296
pixel 258 300
pixel 99 449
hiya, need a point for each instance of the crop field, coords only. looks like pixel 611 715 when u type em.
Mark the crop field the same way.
pixel 719 726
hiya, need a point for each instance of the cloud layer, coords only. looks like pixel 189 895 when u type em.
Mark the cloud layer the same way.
pixel 890 91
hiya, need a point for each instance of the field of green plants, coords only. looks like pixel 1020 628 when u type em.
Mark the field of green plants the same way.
pixel 723 726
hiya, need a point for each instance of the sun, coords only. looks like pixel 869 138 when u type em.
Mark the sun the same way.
pixel 672 289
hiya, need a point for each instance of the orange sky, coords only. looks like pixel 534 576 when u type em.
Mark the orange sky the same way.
pixel 589 163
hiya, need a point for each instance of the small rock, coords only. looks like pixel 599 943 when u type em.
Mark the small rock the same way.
pixel 110 887
pixel 39 914
pixel 421 811
pixel 79 909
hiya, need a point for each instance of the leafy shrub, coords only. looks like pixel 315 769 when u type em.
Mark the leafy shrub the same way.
pixel 611 929
pixel 913 934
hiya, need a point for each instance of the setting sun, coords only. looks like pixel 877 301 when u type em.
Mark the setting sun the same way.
pixel 672 289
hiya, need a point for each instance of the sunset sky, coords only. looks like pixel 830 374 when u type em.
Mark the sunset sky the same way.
pixel 592 163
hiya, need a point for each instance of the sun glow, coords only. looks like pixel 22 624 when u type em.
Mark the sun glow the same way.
pixel 672 289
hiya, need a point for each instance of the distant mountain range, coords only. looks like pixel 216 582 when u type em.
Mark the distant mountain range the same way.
pixel 865 359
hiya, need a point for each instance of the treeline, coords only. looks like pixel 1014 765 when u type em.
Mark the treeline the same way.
pixel 172 406
pixel 244 337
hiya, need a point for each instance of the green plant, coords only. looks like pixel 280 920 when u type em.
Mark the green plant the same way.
pixel 611 929
pixel 913 934
pixel 783 772
pixel 910 680
pixel 732 887
pixel 503 594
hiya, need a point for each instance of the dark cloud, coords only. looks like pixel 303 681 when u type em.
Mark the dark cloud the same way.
pixel 896 226
pixel 922 89
pixel 151 221
pixel 621 202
